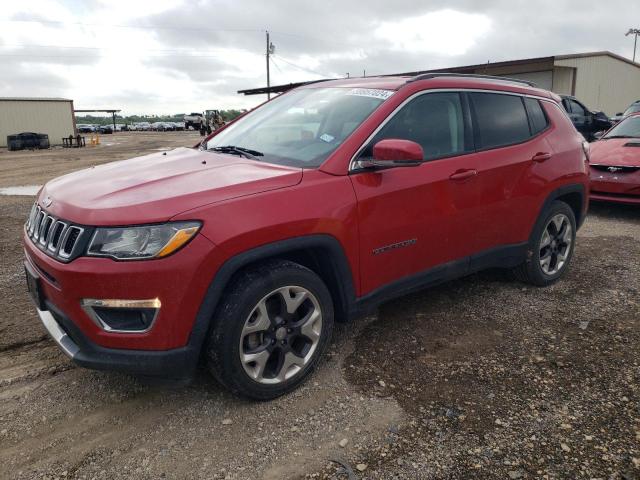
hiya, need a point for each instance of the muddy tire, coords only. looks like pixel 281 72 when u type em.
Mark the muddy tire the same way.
pixel 550 247
pixel 273 325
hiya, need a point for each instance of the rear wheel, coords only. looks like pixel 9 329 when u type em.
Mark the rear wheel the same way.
pixel 271 329
pixel 550 247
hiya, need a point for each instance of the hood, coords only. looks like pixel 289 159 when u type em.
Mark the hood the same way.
pixel 156 187
pixel 616 152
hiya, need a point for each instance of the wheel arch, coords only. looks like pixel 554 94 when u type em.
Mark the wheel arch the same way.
pixel 573 195
pixel 323 254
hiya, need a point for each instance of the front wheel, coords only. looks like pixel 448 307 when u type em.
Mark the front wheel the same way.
pixel 274 322
pixel 550 248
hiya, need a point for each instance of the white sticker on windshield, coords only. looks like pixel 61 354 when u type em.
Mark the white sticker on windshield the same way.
pixel 371 92
pixel 325 137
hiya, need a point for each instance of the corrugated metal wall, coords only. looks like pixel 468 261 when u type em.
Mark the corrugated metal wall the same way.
pixel 604 83
pixel 563 80
pixel 53 117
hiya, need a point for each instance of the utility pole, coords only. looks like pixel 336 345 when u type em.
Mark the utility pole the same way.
pixel 271 48
pixel 636 32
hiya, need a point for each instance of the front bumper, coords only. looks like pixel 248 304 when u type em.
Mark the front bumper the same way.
pixel 615 198
pixel 179 281
pixel 615 187
pixel 176 363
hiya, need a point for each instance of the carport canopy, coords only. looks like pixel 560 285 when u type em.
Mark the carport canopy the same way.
pixel 112 112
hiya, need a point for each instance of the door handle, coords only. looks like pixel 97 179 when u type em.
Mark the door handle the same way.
pixel 541 157
pixel 461 175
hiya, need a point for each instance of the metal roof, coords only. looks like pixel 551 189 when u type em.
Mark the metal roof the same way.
pixel 34 99
pixel 461 69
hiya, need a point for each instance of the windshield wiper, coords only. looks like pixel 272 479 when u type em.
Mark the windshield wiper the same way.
pixel 243 152
pixel 620 136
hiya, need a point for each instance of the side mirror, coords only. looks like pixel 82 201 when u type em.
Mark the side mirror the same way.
pixel 393 152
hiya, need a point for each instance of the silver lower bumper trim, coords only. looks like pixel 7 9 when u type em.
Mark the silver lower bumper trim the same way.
pixel 63 340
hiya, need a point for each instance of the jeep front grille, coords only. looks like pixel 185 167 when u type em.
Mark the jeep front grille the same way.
pixel 56 237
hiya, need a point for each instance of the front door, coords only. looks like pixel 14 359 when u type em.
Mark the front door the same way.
pixel 406 214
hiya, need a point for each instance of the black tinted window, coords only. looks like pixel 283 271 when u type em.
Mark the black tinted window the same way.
pixel 576 108
pixel 500 120
pixel 536 115
pixel 434 120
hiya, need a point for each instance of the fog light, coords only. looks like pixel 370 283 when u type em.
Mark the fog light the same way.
pixel 122 316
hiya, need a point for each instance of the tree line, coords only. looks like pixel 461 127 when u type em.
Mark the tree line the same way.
pixel 227 115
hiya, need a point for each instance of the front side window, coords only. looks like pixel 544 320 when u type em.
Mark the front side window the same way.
pixel 301 128
pixel 435 121
pixel 500 120
pixel 576 108
pixel 628 128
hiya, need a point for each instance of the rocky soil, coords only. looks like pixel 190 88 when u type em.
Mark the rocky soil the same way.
pixel 478 378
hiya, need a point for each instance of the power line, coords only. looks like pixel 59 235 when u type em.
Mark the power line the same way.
pixel 154 27
pixel 94 56
pixel 171 50
pixel 173 27
pixel 308 70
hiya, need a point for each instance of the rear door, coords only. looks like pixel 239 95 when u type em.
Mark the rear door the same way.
pixel 509 139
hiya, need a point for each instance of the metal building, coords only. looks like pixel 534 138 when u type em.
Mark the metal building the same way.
pixel 601 80
pixel 53 116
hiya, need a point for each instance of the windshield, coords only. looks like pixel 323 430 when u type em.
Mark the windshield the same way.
pixel 301 128
pixel 632 109
pixel 627 128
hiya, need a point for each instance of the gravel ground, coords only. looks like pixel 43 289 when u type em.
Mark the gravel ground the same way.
pixel 478 378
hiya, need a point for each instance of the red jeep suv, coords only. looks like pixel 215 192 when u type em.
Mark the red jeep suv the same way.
pixel 313 208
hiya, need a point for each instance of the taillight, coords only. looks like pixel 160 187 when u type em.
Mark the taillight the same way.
pixel 587 150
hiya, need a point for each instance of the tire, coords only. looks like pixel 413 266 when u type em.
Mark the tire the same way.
pixel 549 251
pixel 255 321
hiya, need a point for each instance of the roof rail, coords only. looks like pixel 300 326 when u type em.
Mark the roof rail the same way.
pixel 427 76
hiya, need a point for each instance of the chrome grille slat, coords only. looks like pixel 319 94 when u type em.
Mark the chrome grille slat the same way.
pixel 36 227
pixel 53 244
pixel 67 250
pixel 45 229
pixel 56 237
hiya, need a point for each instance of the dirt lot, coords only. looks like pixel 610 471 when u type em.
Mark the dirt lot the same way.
pixel 478 378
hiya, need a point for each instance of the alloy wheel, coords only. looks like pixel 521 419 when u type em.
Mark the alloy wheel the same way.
pixel 280 335
pixel 555 244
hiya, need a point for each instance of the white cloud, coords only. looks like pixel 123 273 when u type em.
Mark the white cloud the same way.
pixel 170 56
pixel 445 32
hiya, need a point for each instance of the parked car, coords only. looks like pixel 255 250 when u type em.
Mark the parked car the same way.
pixel 633 108
pixel 313 208
pixel 162 126
pixel 85 128
pixel 588 123
pixel 615 163
pixel 143 126
pixel 178 126
pixel 105 129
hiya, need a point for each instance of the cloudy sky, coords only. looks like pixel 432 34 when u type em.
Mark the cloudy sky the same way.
pixel 168 56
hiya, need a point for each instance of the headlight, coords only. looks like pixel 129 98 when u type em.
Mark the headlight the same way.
pixel 147 241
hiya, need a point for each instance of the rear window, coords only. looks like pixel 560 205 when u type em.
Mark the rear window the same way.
pixel 537 116
pixel 500 120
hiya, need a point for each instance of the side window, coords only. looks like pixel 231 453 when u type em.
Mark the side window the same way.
pixel 577 108
pixel 537 117
pixel 433 120
pixel 499 120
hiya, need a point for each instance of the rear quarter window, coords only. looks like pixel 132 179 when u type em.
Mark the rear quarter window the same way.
pixel 537 117
pixel 500 120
